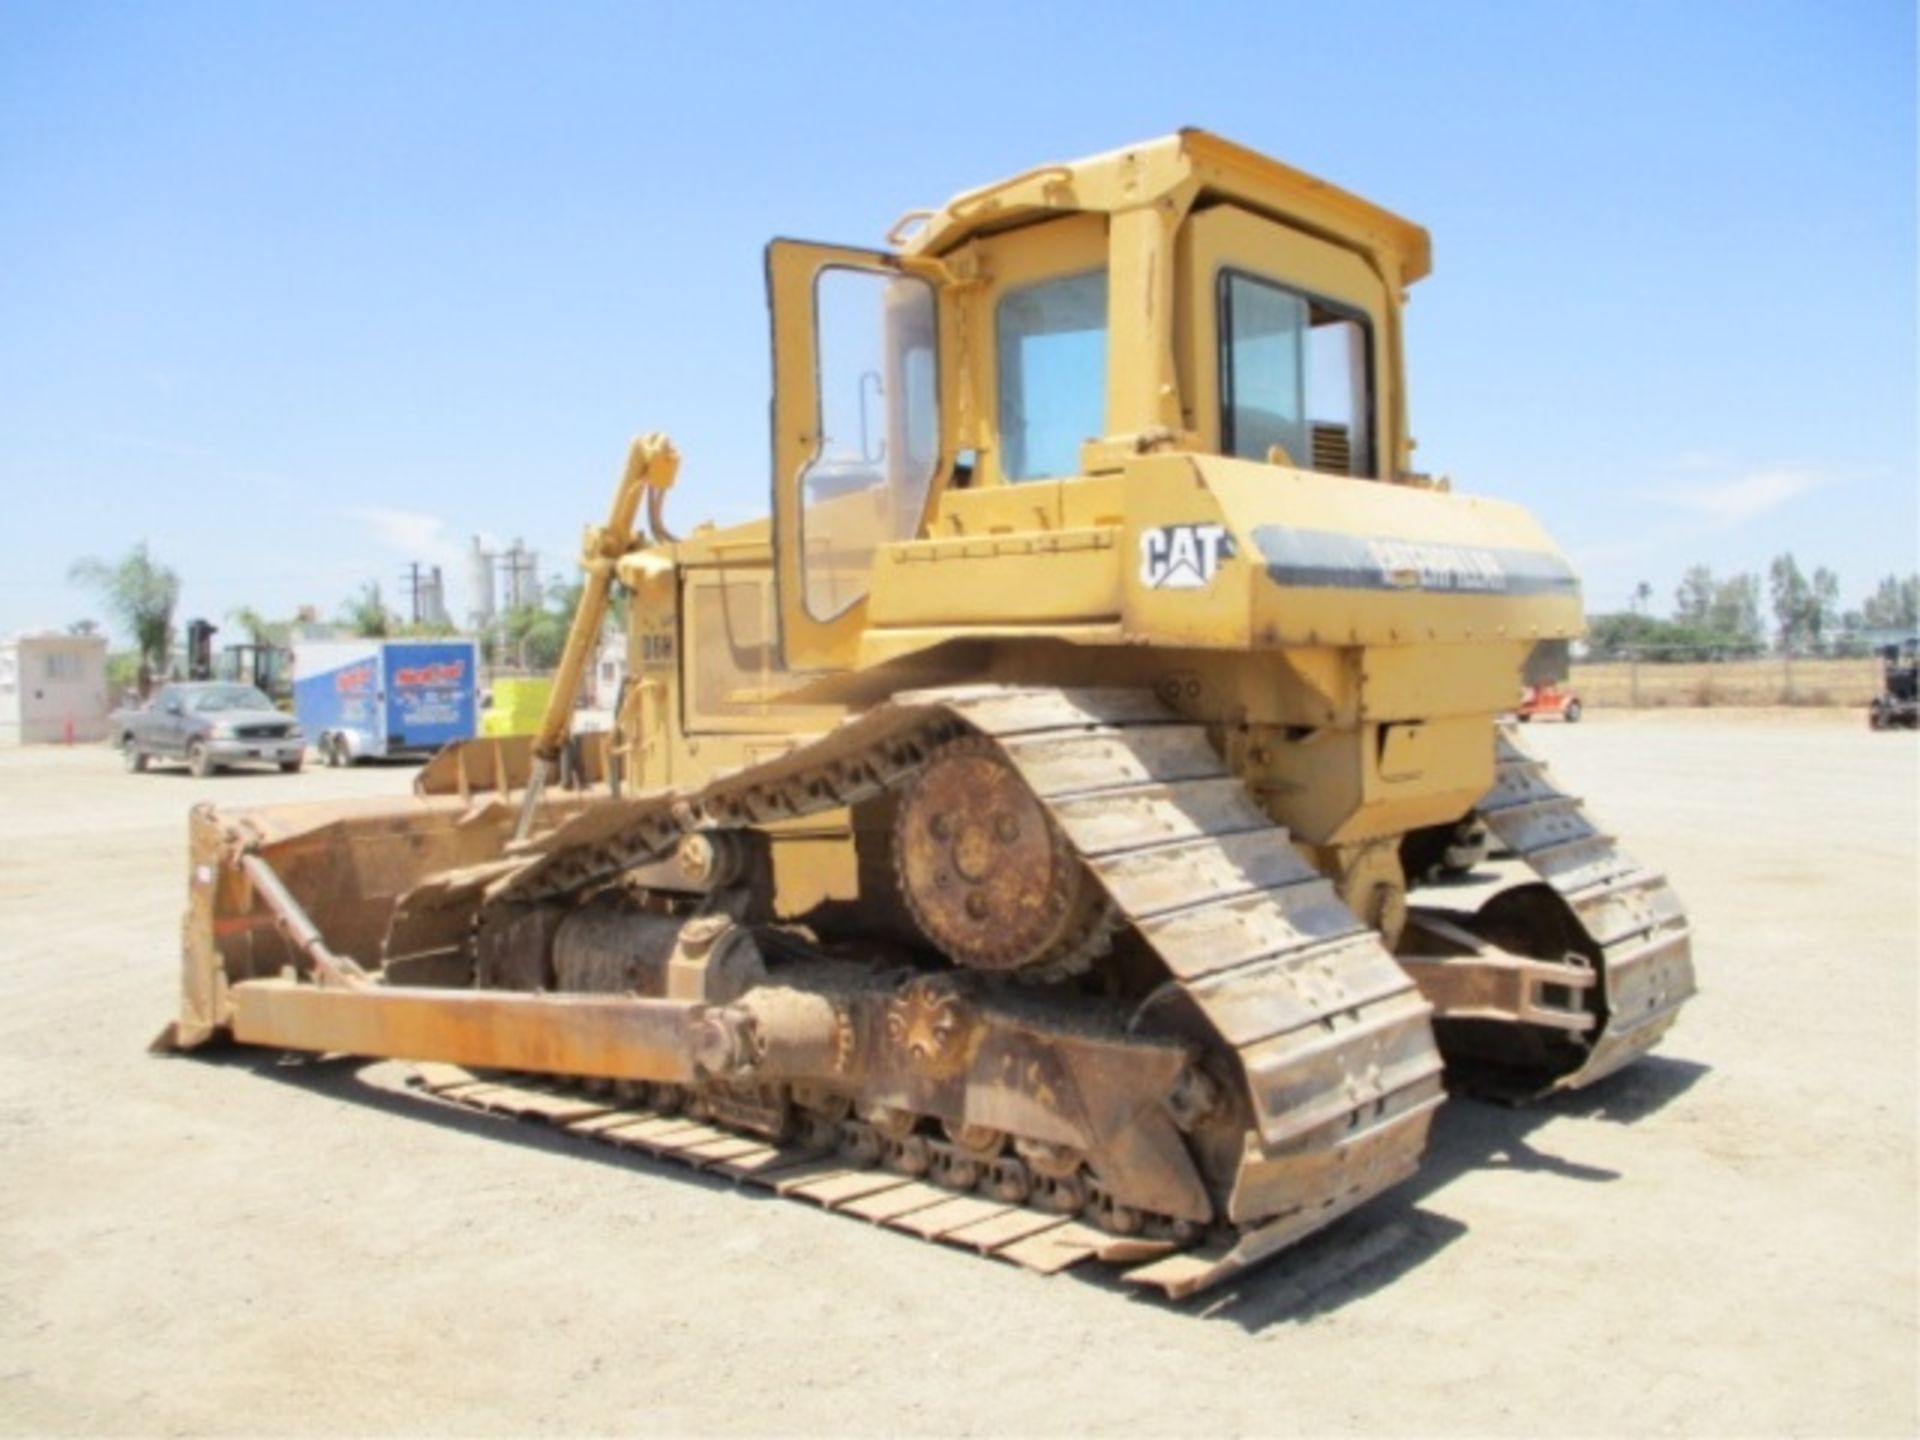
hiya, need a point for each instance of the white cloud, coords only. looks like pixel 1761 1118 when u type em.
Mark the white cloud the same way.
pixel 1742 497
pixel 414 535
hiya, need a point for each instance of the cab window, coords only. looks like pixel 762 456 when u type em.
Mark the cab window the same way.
pixel 230 697
pixel 1051 355
pixel 879 429
pixel 1293 378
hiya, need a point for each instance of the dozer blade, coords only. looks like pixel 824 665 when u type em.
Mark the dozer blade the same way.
pixel 500 766
pixel 347 865
pixel 1322 1040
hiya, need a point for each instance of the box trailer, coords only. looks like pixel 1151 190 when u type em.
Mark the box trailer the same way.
pixel 370 698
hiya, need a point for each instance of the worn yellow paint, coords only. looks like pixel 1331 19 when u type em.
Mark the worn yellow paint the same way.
pixel 1357 701
pixel 1230 238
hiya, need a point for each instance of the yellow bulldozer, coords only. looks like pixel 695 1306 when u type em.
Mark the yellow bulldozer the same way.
pixel 1020 838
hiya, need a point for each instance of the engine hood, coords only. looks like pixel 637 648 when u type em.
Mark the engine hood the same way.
pixel 1233 553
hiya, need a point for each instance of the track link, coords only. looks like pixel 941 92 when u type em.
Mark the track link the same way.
pixel 1631 918
pixel 1340 1069
pixel 1024 1235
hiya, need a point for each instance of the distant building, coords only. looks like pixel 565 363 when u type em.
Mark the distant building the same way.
pixel 52 688
pixel 480 587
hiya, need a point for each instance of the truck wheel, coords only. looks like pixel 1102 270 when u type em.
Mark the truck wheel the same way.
pixel 290 767
pixel 330 752
pixel 1573 712
pixel 199 761
pixel 135 756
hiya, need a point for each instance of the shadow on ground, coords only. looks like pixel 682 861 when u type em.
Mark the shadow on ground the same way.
pixel 1367 1251
pixel 1394 1235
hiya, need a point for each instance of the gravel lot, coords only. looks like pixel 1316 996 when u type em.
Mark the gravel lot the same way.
pixel 1720 1240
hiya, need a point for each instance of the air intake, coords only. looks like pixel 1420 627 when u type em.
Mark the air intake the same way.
pixel 1332 450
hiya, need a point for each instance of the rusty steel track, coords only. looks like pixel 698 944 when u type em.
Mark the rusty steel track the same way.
pixel 1330 1037
pixel 1034 1239
pixel 1635 931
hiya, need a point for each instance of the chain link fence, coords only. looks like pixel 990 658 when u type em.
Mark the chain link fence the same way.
pixel 1651 676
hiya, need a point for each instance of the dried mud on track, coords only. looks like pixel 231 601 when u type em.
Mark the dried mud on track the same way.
pixel 1721 1239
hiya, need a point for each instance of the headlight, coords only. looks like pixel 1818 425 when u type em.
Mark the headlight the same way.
pixel 220 732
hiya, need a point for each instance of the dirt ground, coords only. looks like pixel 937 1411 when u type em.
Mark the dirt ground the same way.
pixel 1721 1240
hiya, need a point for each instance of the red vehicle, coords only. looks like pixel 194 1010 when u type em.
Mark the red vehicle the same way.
pixel 1548 699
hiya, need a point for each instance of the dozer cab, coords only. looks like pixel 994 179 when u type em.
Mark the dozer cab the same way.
pixel 1009 839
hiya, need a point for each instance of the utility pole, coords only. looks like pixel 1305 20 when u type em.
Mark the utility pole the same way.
pixel 522 577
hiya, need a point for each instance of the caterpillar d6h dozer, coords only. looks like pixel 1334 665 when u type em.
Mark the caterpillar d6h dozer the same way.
pixel 1010 839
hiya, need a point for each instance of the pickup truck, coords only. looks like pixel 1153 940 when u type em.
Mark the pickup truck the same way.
pixel 208 726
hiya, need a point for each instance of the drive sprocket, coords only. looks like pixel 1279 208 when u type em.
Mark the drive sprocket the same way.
pixel 987 874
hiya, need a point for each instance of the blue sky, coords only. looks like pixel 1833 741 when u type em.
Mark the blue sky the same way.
pixel 301 292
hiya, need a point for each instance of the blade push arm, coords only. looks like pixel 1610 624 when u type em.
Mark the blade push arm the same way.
pixel 652 464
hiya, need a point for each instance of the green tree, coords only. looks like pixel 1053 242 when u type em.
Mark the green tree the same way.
pixel 1735 612
pixel 1894 605
pixel 1626 633
pixel 367 613
pixel 533 638
pixel 1823 603
pixel 535 635
pixel 142 594
pixel 1693 601
pixel 259 630
pixel 123 672
pixel 1792 599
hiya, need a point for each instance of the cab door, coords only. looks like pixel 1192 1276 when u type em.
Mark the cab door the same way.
pixel 857 438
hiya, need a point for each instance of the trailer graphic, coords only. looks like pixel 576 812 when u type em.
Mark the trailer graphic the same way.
pixel 362 699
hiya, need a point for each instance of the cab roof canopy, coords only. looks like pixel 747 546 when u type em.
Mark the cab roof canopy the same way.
pixel 1184 168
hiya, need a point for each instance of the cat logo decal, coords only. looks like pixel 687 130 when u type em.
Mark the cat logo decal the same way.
pixel 1183 557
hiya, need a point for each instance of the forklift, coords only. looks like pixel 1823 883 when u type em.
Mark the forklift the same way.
pixel 1897 706
pixel 268 668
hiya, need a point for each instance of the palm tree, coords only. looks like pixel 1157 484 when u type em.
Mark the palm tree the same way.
pixel 142 594
pixel 367 613
pixel 1642 593
pixel 260 630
